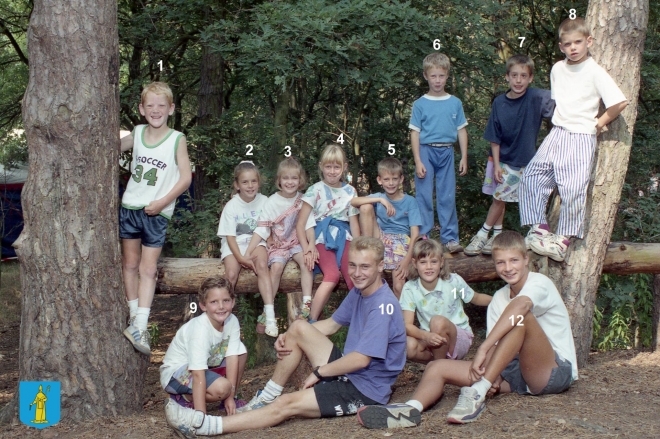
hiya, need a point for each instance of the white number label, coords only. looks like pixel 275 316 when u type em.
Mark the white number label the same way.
pixel 572 14
pixel 436 44
pixel 390 149
pixel 249 149
pixel 160 63
pixel 340 139
pixel 193 307
pixel 389 308
pixel 522 40
pixel 520 320
pixel 287 151
pixel 462 293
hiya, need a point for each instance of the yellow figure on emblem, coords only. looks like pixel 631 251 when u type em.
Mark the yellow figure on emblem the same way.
pixel 40 411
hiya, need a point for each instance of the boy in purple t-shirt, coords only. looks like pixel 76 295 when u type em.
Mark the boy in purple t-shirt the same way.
pixel 512 129
pixel 373 357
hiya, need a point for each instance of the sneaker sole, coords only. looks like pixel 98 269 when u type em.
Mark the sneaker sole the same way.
pixel 467 419
pixel 472 252
pixel 542 251
pixel 141 349
pixel 381 417
pixel 486 252
pixel 173 427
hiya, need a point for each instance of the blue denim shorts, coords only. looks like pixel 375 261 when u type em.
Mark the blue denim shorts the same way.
pixel 136 224
pixel 560 380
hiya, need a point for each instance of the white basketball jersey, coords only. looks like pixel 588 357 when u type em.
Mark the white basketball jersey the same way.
pixel 154 171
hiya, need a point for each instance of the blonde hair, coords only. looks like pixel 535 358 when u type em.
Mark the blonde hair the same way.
pixel 520 60
pixel 290 163
pixel 391 166
pixel 157 88
pixel 214 282
pixel 375 245
pixel 243 166
pixel 436 60
pixel 509 240
pixel 332 153
pixel 575 25
pixel 425 249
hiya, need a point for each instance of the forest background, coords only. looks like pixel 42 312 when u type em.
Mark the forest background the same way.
pixel 256 77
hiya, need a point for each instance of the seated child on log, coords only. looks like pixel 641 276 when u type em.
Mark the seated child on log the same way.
pixel 529 347
pixel 278 220
pixel 327 224
pixel 437 296
pixel 206 359
pixel 394 218
pixel 237 223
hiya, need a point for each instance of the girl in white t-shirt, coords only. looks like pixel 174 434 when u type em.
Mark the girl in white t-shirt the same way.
pixel 206 359
pixel 326 224
pixel 237 224
pixel 278 222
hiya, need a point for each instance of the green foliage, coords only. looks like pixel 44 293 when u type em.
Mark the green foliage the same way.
pixel 154 334
pixel 246 309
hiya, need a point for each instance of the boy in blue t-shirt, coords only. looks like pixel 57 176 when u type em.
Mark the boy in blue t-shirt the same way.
pixel 437 121
pixel 394 218
pixel 512 129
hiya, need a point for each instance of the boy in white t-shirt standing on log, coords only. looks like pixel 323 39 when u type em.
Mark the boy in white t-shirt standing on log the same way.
pixel 160 173
pixel 565 157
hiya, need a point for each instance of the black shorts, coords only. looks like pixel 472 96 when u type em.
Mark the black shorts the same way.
pixel 339 397
pixel 560 379
pixel 136 224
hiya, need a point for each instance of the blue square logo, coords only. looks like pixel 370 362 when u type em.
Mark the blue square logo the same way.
pixel 39 403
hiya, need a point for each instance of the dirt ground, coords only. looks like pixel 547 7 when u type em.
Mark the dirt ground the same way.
pixel 617 395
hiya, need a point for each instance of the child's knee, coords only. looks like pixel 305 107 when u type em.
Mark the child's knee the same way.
pixel 440 324
pixel 412 345
pixel 147 270
pixel 367 209
pixel 219 389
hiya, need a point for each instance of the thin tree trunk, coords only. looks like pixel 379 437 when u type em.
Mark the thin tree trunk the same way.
pixel 619 30
pixel 655 344
pixel 73 306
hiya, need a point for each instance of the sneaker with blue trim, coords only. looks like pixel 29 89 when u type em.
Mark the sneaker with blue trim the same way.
pixel 488 247
pixel 389 416
pixel 184 421
pixel 139 338
pixel 476 245
pixel 255 403
pixel 469 407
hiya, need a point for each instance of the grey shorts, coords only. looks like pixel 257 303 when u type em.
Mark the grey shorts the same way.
pixel 560 380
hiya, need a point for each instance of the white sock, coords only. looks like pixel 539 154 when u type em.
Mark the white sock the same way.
pixel 497 230
pixel 484 230
pixel 414 403
pixel 482 386
pixel 307 299
pixel 272 390
pixel 132 307
pixel 211 426
pixel 141 318
pixel 270 312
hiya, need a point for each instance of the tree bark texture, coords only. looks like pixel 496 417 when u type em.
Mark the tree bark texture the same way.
pixel 73 306
pixel 655 343
pixel 183 276
pixel 619 30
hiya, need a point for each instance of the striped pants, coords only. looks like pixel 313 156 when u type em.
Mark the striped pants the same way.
pixel 564 161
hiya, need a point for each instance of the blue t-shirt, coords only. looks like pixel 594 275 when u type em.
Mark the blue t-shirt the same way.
pixel 376 329
pixel 514 124
pixel 406 216
pixel 437 119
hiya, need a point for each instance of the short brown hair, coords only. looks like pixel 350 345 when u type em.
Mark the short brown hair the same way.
pixel 520 60
pixel 429 248
pixel 158 88
pixel 390 165
pixel 436 60
pixel 288 164
pixel 214 282
pixel 509 240
pixel 574 25
pixel 369 243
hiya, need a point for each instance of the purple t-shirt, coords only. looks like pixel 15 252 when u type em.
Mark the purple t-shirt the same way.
pixel 376 329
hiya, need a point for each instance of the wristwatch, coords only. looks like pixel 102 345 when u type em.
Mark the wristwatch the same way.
pixel 317 374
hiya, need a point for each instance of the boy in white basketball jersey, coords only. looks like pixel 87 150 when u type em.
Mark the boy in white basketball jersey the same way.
pixel 160 173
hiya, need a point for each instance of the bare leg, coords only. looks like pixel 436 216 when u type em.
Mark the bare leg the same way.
pixel 232 269
pixel 306 276
pixel 496 213
pixel 417 350
pixel 264 282
pixel 437 374
pixel 321 298
pixel 445 328
pixel 368 223
pixel 148 271
pixel 130 259
pixel 276 270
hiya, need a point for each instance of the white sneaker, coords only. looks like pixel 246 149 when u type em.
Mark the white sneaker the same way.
pixel 184 421
pixel 139 338
pixel 552 246
pixel 271 328
pixel 469 407
pixel 488 248
pixel 476 245
pixel 256 402
pixel 535 234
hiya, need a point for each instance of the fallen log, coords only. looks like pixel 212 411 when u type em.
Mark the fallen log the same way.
pixel 183 276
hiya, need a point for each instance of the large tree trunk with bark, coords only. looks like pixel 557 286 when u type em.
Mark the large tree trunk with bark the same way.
pixel 73 307
pixel 619 30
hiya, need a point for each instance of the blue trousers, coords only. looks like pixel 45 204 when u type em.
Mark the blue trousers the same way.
pixel 439 163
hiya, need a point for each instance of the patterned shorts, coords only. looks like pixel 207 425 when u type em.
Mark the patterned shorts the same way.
pixel 282 255
pixel 396 248
pixel 507 190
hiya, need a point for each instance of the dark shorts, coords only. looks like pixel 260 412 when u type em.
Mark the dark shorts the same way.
pixel 135 224
pixel 339 397
pixel 176 388
pixel 560 380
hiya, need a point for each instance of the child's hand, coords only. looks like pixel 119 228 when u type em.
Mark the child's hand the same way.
pixel 245 263
pixel 497 173
pixel 279 347
pixel 463 167
pixel 495 388
pixel 401 271
pixel 477 368
pixel 154 208
pixel 434 340
pixel 230 406
pixel 420 170
pixel 599 127
pixel 310 381
pixel 311 257
pixel 391 211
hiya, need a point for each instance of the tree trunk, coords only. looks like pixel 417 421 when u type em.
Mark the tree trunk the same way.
pixel 619 30
pixel 73 306
pixel 655 343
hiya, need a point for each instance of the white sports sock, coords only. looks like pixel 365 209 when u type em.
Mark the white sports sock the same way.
pixel 484 230
pixel 211 426
pixel 141 318
pixel 270 312
pixel 132 307
pixel 272 390
pixel 497 230
pixel 414 403
pixel 482 386
pixel 307 299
